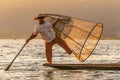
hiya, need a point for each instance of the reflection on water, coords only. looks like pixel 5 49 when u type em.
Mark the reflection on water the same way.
pixel 28 65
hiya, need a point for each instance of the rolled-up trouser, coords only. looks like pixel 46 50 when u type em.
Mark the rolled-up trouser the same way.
pixel 60 42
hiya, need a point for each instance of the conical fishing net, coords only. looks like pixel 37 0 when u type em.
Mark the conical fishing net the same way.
pixel 80 35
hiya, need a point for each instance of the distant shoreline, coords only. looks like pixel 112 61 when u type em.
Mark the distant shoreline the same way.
pixel 110 38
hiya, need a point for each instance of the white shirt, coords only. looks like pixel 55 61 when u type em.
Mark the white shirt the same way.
pixel 46 31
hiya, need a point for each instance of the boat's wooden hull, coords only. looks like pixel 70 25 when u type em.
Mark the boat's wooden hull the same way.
pixel 85 66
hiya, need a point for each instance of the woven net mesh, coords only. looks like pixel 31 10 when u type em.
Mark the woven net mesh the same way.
pixel 80 35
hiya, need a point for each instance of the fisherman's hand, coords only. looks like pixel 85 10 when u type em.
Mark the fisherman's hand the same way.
pixel 27 40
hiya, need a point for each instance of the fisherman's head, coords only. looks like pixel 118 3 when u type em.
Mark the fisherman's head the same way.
pixel 40 18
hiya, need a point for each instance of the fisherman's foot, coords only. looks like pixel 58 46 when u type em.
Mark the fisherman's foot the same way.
pixel 49 62
pixel 69 53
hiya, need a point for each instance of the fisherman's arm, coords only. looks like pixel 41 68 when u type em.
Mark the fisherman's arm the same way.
pixel 31 37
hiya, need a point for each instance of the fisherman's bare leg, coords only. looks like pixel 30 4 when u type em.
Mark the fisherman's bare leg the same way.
pixel 63 44
pixel 48 48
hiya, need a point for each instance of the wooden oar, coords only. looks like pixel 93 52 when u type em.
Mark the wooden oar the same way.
pixel 15 57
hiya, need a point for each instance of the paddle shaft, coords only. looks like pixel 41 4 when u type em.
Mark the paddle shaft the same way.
pixel 15 57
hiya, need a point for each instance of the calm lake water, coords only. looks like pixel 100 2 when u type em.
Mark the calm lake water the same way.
pixel 28 65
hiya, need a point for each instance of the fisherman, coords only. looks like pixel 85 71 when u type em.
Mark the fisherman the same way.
pixel 45 28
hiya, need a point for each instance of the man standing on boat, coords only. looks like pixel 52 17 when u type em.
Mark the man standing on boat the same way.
pixel 45 28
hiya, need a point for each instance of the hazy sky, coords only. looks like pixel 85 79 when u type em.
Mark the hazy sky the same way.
pixel 16 16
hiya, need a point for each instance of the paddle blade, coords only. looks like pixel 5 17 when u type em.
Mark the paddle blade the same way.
pixel 7 68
